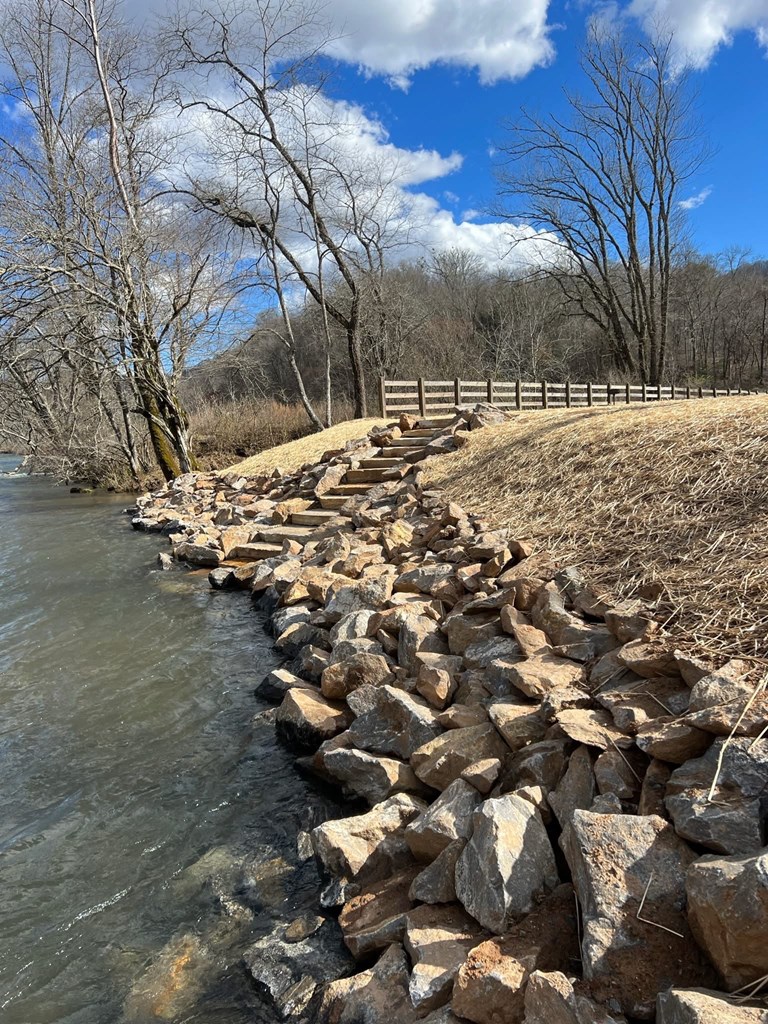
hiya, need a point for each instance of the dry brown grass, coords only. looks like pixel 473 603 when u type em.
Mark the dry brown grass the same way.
pixel 291 456
pixel 224 432
pixel 671 496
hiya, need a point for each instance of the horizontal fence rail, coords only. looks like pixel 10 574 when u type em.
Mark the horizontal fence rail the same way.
pixel 441 397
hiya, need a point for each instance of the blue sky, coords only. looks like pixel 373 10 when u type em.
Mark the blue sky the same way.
pixel 446 107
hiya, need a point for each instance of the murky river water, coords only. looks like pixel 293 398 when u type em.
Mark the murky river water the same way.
pixel 128 752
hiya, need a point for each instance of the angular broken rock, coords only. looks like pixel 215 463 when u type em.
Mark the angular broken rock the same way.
pixel 672 739
pixel 564 628
pixel 507 864
pixel 648 660
pixel 368 847
pixel 290 972
pixel 733 820
pixel 443 759
pixel 594 728
pixel 728 913
pixel 305 719
pixel 438 939
pixel 339 680
pixel 376 996
pixel 577 788
pixel 483 775
pixel 391 721
pixel 620 864
pixel 550 998
pixel 519 724
pixel 447 819
pixel 370 776
pixel 699 1006
pixel 490 986
pixel 436 883
pixel 542 673
pixel 278 682
pixel 376 917
pixel 362 595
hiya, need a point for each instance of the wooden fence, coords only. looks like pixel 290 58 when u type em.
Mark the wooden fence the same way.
pixel 440 397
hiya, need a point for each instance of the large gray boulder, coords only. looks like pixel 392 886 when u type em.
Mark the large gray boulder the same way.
pixel 507 864
pixel 370 776
pixel 629 876
pixel 442 760
pixel 391 721
pixel 728 912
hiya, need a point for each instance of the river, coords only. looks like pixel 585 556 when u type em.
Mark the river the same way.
pixel 128 752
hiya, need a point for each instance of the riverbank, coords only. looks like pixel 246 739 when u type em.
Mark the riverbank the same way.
pixel 567 812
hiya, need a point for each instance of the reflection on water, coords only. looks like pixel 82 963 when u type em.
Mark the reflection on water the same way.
pixel 141 807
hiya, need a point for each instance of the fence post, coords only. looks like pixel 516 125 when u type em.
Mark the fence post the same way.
pixel 567 394
pixel 382 397
pixel 714 390
pixel 518 395
pixel 608 393
pixel 457 390
pixel 645 393
pixel 688 391
pixel 589 393
pixel 674 392
pixel 728 389
pixel 628 393
pixel 489 391
pixel 422 398
pixel 544 395
pixel 701 391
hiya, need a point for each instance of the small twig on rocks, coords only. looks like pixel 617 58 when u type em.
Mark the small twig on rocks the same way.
pixel 626 762
pixel 750 990
pixel 646 920
pixel 737 723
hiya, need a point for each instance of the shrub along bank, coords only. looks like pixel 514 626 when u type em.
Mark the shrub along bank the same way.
pixel 567 813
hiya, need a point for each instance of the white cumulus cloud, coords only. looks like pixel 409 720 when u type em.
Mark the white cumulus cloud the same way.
pixel 701 27
pixel 501 39
pixel 692 202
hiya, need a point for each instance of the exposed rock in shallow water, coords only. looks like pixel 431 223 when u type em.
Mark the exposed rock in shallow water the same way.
pixel 368 847
pixel 305 719
pixel 290 972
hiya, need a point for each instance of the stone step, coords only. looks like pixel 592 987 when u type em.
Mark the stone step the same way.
pixel 273 534
pixel 350 489
pixel 333 500
pixel 255 552
pixel 380 462
pixel 400 442
pixel 365 476
pixel 311 517
pixel 420 432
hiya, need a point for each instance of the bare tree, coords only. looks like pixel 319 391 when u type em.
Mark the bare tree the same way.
pixel 607 182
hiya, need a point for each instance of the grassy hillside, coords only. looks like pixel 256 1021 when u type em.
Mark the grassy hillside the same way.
pixel 291 456
pixel 669 499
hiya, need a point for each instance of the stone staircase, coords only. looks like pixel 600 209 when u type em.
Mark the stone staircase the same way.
pixel 411 444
